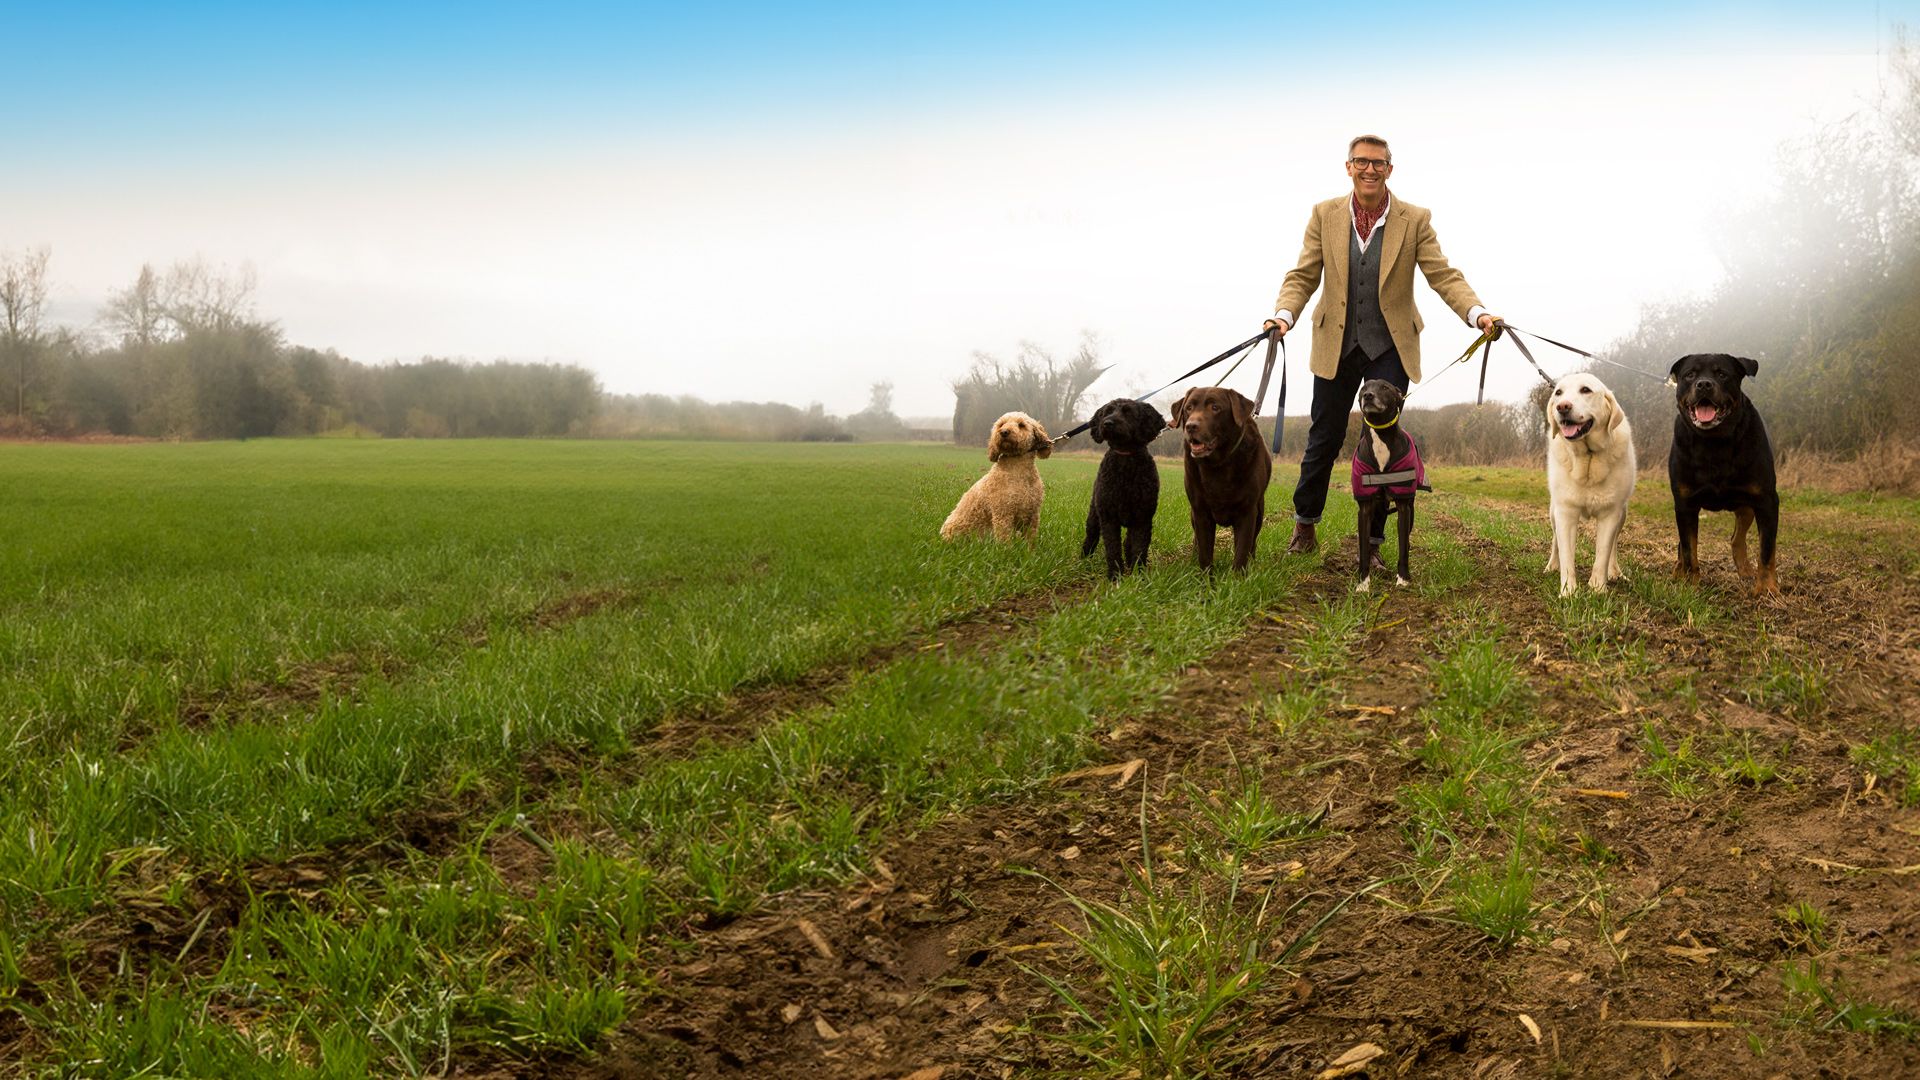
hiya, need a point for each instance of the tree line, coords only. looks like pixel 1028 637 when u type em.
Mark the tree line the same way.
pixel 181 354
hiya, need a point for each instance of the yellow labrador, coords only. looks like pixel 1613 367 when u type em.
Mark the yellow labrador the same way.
pixel 1590 472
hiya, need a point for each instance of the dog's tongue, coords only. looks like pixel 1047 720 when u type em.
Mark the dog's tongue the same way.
pixel 1704 414
pixel 1569 431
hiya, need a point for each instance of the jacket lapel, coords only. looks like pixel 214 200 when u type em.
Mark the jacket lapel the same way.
pixel 1338 222
pixel 1396 235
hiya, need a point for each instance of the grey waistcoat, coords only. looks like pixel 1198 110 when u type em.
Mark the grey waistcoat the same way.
pixel 1366 327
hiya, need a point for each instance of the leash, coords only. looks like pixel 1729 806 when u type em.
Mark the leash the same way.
pixel 1485 341
pixel 1280 410
pixel 1245 346
pixel 1585 353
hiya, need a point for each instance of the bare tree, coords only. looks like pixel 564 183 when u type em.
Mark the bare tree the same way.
pixel 138 313
pixel 196 296
pixel 23 299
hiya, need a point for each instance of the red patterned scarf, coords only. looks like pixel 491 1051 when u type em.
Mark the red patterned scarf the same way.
pixel 1364 220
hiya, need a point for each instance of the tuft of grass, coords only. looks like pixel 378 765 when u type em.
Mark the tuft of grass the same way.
pixel 1294 710
pixel 1178 962
pixel 1894 758
pixel 1826 1005
pixel 1789 684
pixel 1678 768
pixel 1327 647
pixel 1742 762
pixel 1594 852
pixel 1498 901
pixel 1246 820
pixel 1804 927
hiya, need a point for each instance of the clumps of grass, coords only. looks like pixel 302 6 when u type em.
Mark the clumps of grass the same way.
pixel 1246 820
pixel 1292 711
pixel 1442 565
pixel 1692 766
pixel 1498 901
pixel 1804 927
pixel 1477 788
pixel 1600 633
pixel 1788 684
pixel 1826 1005
pixel 1894 758
pixel 1179 960
pixel 1594 851
pixel 1327 647
pixel 1741 761
pixel 1684 601
pixel 1677 767
pixel 1171 963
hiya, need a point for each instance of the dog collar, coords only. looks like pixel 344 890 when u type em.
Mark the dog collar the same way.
pixel 1380 427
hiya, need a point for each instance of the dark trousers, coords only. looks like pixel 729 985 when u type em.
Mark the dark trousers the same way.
pixel 1332 402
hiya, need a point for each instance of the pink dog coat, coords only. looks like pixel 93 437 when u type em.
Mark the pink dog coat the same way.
pixel 1402 477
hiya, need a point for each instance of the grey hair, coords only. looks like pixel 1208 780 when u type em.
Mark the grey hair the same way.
pixel 1374 139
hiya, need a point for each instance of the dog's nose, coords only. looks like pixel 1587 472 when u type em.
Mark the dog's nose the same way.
pixel 1564 407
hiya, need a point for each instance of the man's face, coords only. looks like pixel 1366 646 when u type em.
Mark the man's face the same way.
pixel 1367 164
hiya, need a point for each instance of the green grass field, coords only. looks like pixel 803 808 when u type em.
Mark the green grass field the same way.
pixel 220 658
pixel 340 758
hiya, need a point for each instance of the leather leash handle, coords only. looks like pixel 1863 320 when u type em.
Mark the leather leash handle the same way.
pixel 1280 407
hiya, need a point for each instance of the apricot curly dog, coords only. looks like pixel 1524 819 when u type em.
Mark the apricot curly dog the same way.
pixel 1007 499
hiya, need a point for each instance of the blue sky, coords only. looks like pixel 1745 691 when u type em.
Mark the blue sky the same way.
pixel 790 202
pixel 224 78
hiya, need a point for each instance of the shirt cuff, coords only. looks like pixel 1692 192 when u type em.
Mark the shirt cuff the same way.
pixel 1473 315
pixel 1285 316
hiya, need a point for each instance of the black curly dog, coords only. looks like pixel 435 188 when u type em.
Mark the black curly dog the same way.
pixel 1126 492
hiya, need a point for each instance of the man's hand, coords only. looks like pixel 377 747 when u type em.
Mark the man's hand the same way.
pixel 1487 321
pixel 1277 324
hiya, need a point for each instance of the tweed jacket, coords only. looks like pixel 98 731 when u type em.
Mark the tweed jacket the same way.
pixel 1409 240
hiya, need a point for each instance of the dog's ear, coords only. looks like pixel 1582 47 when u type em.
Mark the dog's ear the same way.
pixel 1149 423
pixel 1093 425
pixel 1181 408
pixel 1614 415
pixel 993 443
pixel 1242 409
pixel 1751 367
pixel 1042 445
pixel 1673 373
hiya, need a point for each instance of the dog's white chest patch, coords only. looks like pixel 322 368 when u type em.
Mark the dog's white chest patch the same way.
pixel 1376 449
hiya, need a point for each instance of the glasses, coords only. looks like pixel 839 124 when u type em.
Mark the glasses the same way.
pixel 1365 164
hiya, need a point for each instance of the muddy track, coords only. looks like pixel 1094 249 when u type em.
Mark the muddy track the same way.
pixel 917 970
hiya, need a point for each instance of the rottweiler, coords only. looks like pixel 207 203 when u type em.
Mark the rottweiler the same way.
pixel 1722 460
pixel 1227 470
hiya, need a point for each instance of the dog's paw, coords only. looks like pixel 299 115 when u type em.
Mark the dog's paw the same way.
pixel 1402 582
pixel 1365 585
pixel 1568 588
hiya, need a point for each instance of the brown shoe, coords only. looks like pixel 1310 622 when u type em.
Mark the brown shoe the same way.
pixel 1379 562
pixel 1303 542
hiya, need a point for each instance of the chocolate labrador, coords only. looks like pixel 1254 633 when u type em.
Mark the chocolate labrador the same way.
pixel 1227 470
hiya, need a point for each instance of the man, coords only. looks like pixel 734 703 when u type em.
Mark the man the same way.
pixel 1365 327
